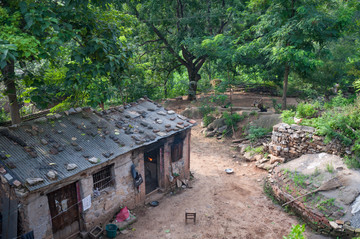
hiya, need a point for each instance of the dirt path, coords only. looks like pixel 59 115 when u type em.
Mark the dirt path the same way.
pixel 227 206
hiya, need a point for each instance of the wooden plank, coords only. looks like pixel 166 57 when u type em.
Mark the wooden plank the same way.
pixel 64 209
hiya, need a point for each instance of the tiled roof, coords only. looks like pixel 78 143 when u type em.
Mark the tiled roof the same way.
pixel 53 142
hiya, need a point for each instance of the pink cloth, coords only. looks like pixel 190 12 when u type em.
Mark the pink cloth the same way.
pixel 123 214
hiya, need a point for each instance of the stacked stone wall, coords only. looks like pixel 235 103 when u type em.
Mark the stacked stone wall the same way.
pixel 292 141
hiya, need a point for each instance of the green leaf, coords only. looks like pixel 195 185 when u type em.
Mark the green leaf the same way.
pixel 23 7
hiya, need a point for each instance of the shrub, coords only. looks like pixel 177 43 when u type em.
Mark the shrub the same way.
pixel 219 99
pixel 338 101
pixel 4 116
pixel 256 133
pixel 351 162
pixel 296 232
pixel 276 105
pixel 253 151
pixel 306 110
pixel 287 116
pixel 232 119
pixel 208 119
pixel 253 113
pixel 291 107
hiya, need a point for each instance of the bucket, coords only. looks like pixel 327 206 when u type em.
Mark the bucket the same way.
pixel 111 230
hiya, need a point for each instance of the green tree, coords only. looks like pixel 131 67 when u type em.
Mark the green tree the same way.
pixel 181 26
pixel 290 33
pixel 92 35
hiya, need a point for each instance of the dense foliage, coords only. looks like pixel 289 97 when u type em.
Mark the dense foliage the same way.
pixel 58 54
pixel 337 119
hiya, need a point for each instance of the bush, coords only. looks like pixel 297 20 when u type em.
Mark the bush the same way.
pixel 219 99
pixel 351 162
pixel 296 232
pixel 338 101
pixel 4 116
pixel 276 105
pixel 306 110
pixel 256 133
pixel 253 151
pixel 287 116
pixel 232 119
pixel 208 119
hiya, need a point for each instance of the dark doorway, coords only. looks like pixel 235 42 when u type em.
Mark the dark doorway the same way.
pixel 64 212
pixel 151 159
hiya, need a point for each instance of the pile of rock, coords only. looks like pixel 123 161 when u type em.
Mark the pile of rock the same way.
pixel 263 161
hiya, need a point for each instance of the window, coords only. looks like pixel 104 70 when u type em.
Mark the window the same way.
pixel 103 178
pixel 177 150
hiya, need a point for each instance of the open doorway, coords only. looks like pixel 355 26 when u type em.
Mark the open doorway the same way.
pixel 151 161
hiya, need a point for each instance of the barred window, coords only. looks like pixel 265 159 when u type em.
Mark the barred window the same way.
pixel 103 178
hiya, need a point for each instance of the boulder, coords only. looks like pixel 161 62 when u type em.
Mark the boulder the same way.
pixel 242 147
pixel 267 121
pixel 192 113
pixel 274 159
pixel 257 157
pixel 221 129
pixel 216 124
pixel 248 156
pixel 209 133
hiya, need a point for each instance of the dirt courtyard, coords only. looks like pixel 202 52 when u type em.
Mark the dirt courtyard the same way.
pixel 227 205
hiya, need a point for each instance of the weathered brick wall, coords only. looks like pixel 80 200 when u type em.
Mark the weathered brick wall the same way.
pixel 121 193
pixel 292 141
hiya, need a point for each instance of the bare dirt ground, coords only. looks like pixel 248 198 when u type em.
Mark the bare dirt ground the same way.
pixel 239 99
pixel 227 205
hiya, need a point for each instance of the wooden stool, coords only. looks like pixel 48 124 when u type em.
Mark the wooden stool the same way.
pixel 190 216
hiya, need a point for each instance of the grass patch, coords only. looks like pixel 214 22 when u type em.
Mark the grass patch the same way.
pixel 330 168
pixel 351 162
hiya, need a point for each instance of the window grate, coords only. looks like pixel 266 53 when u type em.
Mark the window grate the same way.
pixel 103 178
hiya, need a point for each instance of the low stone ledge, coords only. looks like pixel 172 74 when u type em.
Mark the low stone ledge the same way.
pixel 313 218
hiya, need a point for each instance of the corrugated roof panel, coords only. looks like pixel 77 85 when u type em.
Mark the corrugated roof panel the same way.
pixel 73 138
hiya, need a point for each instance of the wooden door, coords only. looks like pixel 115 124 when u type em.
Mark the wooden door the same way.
pixel 64 211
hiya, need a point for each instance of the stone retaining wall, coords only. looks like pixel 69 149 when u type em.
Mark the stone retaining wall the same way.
pixel 292 141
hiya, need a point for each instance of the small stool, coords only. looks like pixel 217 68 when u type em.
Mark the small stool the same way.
pixel 190 216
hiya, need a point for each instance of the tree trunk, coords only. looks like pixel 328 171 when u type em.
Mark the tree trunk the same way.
pixel 194 77
pixel 8 73
pixel 285 85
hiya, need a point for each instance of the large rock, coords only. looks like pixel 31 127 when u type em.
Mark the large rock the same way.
pixel 267 121
pixel 192 113
pixel 208 133
pixel 216 124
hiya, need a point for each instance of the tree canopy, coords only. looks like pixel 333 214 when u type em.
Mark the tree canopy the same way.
pixel 58 54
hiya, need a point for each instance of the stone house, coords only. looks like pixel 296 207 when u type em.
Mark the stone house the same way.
pixel 53 167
